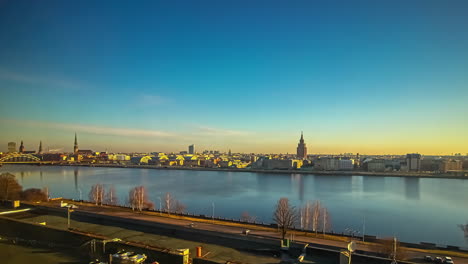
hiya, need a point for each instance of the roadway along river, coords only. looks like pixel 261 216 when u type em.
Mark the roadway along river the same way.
pixel 413 209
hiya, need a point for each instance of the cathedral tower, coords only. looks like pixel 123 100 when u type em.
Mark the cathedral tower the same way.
pixel 75 147
pixel 301 148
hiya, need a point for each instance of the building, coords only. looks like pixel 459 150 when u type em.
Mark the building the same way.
pixel 191 149
pixel 413 161
pixel 428 164
pixel 75 146
pixel 376 165
pixel 451 165
pixel 301 148
pixel 277 164
pixel 21 148
pixel 140 160
pixel 11 147
pixel 334 164
pixel 39 151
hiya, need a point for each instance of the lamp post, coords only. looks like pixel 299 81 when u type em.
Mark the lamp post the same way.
pixel 160 208
pixel 69 211
pixel 108 240
pixel 212 216
pixel 363 228
pixel 351 249
pixel 394 261
pixel 81 193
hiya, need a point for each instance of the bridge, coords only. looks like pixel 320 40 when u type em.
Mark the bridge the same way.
pixel 20 158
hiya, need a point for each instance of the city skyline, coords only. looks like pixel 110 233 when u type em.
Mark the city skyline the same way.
pixel 130 78
pixel 301 150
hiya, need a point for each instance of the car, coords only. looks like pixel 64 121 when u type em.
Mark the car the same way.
pixel 438 260
pixel 428 259
pixel 448 260
pixel 137 258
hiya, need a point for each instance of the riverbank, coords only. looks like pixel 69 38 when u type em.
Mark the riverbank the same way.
pixel 460 175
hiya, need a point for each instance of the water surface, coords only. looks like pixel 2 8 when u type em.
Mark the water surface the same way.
pixel 413 209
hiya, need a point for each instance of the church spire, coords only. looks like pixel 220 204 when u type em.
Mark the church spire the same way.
pixel 21 148
pixel 40 148
pixel 75 147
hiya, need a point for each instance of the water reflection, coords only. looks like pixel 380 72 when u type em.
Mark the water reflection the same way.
pixel 390 205
pixel 333 184
pixel 373 184
pixel 412 190
pixel 22 177
pixel 75 173
pixel 298 184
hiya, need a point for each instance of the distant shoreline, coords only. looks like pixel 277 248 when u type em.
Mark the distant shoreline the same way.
pixel 310 172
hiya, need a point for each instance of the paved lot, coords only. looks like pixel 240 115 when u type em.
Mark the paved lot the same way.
pixel 16 254
pixel 216 252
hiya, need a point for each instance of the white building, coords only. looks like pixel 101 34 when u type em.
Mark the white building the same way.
pixel 334 164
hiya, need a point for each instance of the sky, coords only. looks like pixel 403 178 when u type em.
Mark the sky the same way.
pixel 370 77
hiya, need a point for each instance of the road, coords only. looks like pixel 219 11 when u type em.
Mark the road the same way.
pixel 232 230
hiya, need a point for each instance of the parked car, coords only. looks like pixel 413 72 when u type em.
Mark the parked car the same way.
pixel 438 260
pixel 428 259
pixel 137 258
pixel 448 260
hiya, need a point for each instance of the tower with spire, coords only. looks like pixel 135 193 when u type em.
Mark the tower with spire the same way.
pixel 301 148
pixel 21 148
pixel 75 147
pixel 39 151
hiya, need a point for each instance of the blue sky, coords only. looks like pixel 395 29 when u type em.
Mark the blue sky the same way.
pixel 366 76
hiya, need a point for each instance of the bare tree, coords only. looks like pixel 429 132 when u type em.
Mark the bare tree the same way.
pixel 111 197
pixel 138 199
pixel 246 217
pixel 285 215
pixel 168 202
pixel 391 248
pixel 46 191
pixel 173 205
pixel 10 189
pixel 96 195
pixel 179 207
pixel 464 228
pixel 316 210
pixel 34 195
pixel 306 216
pixel 326 220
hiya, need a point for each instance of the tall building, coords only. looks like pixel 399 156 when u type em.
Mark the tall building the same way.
pixel 75 147
pixel 39 151
pixel 301 148
pixel 21 148
pixel 191 149
pixel 413 161
pixel 11 147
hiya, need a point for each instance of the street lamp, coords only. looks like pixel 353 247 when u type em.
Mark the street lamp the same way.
pixel 351 248
pixel 69 211
pixel 363 228
pixel 108 240
pixel 160 208
pixel 212 216
pixel 394 261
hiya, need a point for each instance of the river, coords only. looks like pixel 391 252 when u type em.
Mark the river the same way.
pixel 413 209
